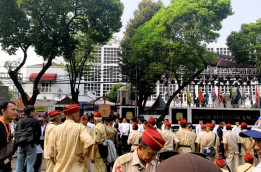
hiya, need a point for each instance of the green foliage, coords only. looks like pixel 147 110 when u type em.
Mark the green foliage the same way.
pixel 113 93
pixel 245 44
pixel 171 42
pixel 11 65
pixel 10 95
pixel 211 58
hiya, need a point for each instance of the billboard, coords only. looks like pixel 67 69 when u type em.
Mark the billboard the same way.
pixel 3 94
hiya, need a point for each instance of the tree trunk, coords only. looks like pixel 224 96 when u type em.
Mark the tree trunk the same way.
pixel 166 109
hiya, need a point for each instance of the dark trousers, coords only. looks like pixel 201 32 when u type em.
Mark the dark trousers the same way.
pixel 239 148
pixel 124 143
pixel 38 162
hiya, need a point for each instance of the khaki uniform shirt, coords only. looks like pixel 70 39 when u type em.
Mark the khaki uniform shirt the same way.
pixel 247 142
pixel 100 134
pixel 184 137
pixel 90 130
pixel 130 162
pixel 133 139
pixel 50 126
pixel 209 139
pixel 170 139
pixel 247 167
pixel 200 137
pixel 193 137
pixel 69 139
pixel 231 140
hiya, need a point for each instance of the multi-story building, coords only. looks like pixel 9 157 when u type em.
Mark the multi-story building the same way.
pixel 219 49
pixel 105 71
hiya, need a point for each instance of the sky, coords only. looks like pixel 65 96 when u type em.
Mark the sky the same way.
pixel 245 11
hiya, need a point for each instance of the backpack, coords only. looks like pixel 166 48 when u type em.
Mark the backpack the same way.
pixel 24 137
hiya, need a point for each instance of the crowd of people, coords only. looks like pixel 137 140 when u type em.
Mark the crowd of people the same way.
pixel 96 144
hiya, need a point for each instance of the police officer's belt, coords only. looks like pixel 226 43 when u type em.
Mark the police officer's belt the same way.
pixel 185 146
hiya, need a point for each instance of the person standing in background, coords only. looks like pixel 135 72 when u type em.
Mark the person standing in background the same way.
pixel 198 127
pixel 236 130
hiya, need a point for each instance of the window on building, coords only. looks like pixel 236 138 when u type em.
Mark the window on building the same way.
pixel 45 88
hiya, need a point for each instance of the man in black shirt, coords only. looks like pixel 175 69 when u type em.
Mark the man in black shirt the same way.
pixel 220 135
pixel 28 151
pixel 8 112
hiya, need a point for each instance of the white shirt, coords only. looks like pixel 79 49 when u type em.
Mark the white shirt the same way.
pixel 198 129
pixel 236 130
pixel 125 128
pixel 140 128
pixel 258 168
pixel 215 129
pixel 91 125
pixel 131 128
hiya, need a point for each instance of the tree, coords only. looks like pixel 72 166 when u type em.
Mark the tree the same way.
pixel 146 10
pixel 245 45
pixel 171 42
pixel 78 61
pixel 113 93
pixel 50 27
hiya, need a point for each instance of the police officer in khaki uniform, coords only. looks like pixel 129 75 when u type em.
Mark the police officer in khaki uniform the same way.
pixel 70 144
pixel 193 136
pixel 134 137
pixel 249 163
pixel 55 119
pixel 200 137
pixel 84 121
pixel 101 132
pixel 143 158
pixel 231 147
pixel 247 143
pixel 209 140
pixel 184 136
pixel 169 137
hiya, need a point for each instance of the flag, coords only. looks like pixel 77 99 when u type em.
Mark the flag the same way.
pixel 200 96
pixel 188 96
pixel 213 95
pixel 231 97
pixel 181 98
pixel 220 97
pixel 250 97
pixel 256 96
pixel 207 97
pixel 238 96
pixel 243 98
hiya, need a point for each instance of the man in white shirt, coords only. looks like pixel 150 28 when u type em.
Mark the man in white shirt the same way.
pixel 216 126
pixel 236 130
pixel 224 127
pixel 255 133
pixel 131 123
pixel 198 127
pixel 140 126
pixel 125 130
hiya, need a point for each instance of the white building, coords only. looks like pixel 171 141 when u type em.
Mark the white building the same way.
pixel 54 85
pixel 105 72
pixel 219 49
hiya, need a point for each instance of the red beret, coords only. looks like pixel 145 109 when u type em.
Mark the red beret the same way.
pixel 152 121
pixel 243 125
pixel 248 158
pixel 228 126
pixel 97 115
pixel 84 117
pixel 134 125
pixel 210 125
pixel 203 126
pixel 73 108
pixel 220 162
pixel 152 138
pixel 183 122
pixel 167 124
pixel 54 113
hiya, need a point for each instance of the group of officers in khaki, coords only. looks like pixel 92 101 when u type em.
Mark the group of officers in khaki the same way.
pixel 73 146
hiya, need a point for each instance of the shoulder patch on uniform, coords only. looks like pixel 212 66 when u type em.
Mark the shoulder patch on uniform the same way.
pixel 118 169
pixel 125 158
